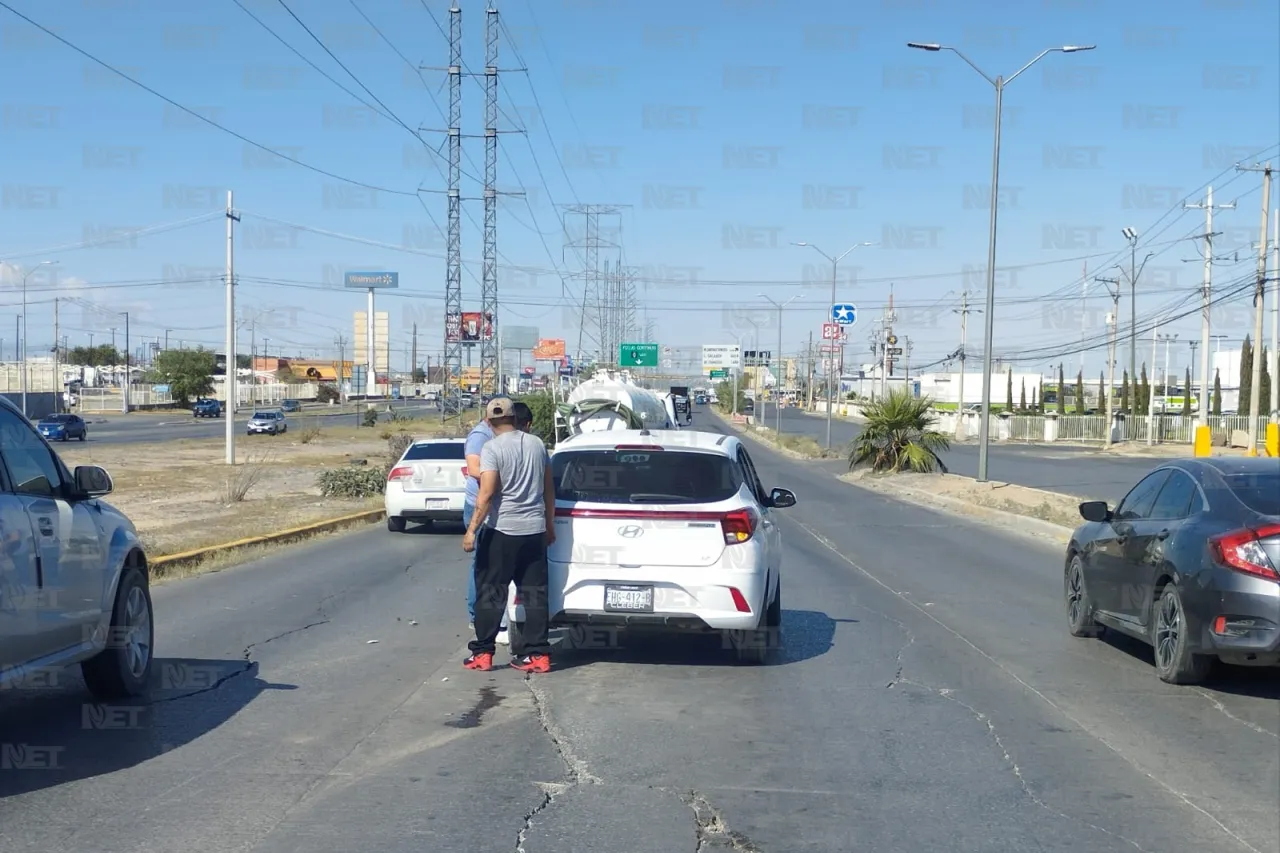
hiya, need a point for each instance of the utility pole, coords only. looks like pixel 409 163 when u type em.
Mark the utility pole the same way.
pixel 57 370
pixel 964 343
pixel 128 370
pixel 1113 321
pixel 413 367
pixel 1151 398
pixel 230 389
pixel 1275 316
pixel 1194 344
pixel 1205 299
pixel 809 375
pixel 1259 299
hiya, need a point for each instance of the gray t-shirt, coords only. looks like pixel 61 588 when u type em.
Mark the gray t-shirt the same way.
pixel 519 507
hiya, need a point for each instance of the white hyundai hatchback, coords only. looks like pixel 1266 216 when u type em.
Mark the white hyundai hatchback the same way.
pixel 668 531
pixel 427 484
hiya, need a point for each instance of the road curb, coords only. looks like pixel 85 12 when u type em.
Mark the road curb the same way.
pixel 185 558
pixel 1024 523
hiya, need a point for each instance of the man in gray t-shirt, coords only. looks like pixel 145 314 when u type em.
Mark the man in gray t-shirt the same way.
pixel 516 506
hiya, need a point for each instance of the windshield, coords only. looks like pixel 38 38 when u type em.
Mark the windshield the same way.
pixel 264 416
pixel 435 450
pixel 630 477
pixel 1259 492
pixel 59 419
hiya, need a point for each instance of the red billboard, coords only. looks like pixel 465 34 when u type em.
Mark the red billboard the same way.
pixel 469 327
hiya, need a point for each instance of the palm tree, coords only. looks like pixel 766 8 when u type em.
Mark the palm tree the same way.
pixel 899 435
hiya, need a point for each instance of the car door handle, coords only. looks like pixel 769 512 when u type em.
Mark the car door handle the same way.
pixel 1163 535
pixel 46 526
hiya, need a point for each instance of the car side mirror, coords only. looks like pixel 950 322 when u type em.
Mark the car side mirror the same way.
pixel 92 481
pixel 782 498
pixel 1097 511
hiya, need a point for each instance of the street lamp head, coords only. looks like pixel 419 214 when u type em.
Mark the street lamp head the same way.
pixel 802 243
pixel 1076 48
pixel 923 46
pixel 1129 234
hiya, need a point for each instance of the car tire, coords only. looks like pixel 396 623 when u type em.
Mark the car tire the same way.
pixel 395 524
pixel 84 435
pixel 773 615
pixel 1170 640
pixel 123 668
pixel 515 639
pixel 1080 621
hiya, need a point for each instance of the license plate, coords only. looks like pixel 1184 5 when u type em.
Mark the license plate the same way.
pixel 437 502
pixel 629 599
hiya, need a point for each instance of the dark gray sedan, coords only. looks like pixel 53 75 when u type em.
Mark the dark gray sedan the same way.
pixel 1189 562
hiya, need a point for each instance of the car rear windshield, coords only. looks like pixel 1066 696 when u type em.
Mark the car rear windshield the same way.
pixel 636 476
pixel 1259 492
pixel 435 450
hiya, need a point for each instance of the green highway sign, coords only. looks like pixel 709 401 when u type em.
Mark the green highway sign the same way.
pixel 638 355
pixel 719 373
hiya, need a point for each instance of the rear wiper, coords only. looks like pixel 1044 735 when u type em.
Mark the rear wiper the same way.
pixel 648 498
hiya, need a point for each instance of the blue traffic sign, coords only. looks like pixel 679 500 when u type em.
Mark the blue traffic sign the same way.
pixel 846 314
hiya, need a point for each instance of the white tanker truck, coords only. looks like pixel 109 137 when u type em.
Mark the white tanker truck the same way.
pixel 613 401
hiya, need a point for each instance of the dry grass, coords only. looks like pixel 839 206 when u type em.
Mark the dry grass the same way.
pixel 795 446
pixel 954 490
pixel 182 496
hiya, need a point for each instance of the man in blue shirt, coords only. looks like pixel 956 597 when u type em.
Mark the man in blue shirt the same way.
pixel 479 436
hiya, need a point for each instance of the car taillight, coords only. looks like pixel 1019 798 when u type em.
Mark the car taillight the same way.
pixel 403 472
pixel 1242 551
pixel 738 526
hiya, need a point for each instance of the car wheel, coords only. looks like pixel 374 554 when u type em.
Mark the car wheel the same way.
pixel 1171 640
pixel 1080 621
pixel 395 524
pixel 84 435
pixel 773 615
pixel 123 668
pixel 515 639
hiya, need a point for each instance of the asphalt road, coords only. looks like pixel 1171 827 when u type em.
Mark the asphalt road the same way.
pixel 1070 469
pixel 927 697
pixel 150 427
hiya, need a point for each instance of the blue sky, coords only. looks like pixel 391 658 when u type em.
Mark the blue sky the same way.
pixel 731 129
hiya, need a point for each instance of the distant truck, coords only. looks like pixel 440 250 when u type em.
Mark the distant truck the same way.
pixel 683 406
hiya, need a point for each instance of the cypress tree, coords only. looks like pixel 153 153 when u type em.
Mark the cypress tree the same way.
pixel 1186 397
pixel 1008 405
pixel 1264 395
pixel 1062 393
pixel 1102 393
pixel 1080 407
pixel 1022 401
pixel 1144 392
pixel 1035 398
pixel 1246 376
pixel 1124 393
pixel 1217 393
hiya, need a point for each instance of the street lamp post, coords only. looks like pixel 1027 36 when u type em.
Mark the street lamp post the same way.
pixel 989 321
pixel 835 262
pixel 25 276
pixel 777 409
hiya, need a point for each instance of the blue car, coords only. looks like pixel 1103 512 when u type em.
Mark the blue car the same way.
pixel 207 409
pixel 63 428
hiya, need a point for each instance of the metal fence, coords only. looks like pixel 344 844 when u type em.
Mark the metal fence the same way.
pixel 145 396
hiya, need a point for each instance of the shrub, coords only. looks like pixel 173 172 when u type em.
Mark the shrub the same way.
pixel 397 444
pixel 326 393
pixel 353 482
pixel 370 417
pixel 544 419
pixel 899 436
pixel 309 435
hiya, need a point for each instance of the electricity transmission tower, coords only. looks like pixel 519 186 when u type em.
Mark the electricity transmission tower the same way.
pixel 602 293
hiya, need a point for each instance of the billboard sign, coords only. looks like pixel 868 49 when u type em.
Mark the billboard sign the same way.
pixel 549 349
pixel 468 327
pixel 371 280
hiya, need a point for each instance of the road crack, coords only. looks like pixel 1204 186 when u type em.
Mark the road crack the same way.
pixel 710 830
pixel 576 769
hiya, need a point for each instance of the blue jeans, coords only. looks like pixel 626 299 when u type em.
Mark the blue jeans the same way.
pixel 468 509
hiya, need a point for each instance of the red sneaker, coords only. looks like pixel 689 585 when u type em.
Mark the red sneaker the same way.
pixel 482 662
pixel 532 663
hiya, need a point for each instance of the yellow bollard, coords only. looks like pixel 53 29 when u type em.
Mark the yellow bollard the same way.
pixel 1204 442
pixel 1273 440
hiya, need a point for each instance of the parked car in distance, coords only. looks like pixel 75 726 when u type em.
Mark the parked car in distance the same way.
pixel 291 406
pixel 267 423
pixel 676 537
pixel 428 483
pixel 63 427
pixel 1188 562
pixel 74 582
pixel 206 409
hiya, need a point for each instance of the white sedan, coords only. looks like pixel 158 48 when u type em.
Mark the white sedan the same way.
pixel 427 484
pixel 667 531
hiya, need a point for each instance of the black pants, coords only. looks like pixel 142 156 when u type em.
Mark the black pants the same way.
pixel 500 559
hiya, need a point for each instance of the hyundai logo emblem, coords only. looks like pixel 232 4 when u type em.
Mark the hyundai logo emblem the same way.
pixel 631 531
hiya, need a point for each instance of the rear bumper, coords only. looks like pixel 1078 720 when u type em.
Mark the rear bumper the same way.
pixel 413 505
pixel 1250 609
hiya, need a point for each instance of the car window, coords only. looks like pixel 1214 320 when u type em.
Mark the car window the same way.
pixel 435 450
pixel 749 470
pixel 263 416
pixel 633 476
pixel 1259 492
pixel 32 468
pixel 1175 497
pixel 1137 504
